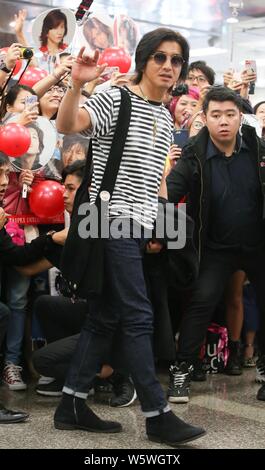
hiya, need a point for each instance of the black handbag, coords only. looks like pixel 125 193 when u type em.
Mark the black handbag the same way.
pixel 82 263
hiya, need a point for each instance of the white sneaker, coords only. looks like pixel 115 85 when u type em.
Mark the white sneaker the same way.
pixel 12 377
pixel 260 370
pixel 45 380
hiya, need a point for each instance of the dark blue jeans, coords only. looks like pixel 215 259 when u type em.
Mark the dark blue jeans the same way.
pixel 124 303
pixel 4 319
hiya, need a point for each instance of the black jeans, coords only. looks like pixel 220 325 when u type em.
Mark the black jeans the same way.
pixel 54 359
pixel 59 317
pixel 4 318
pixel 216 268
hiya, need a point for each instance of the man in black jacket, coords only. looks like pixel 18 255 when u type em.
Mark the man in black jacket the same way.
pixel 222 173
pixel 16 255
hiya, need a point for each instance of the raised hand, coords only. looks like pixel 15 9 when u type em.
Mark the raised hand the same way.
pixel 61 69
pixel 28 115
pixel 119 79
pixel 248 76
pixel 26 177
pixel 174 154
pixel 228 77
pixel 85 68
pixel 19 21
pixel 12 55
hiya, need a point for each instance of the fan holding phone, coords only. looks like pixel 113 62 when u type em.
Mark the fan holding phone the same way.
pixel 181 107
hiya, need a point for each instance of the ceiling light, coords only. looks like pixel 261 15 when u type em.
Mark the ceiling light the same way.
pixel 12 24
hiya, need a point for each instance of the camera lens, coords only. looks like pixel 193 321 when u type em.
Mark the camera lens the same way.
pixel 181 89
pixel 27 53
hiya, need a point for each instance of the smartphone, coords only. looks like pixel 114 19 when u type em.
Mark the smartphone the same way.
pixel 106 74
pixel 252 66
pixel 30 100
pixel 180 137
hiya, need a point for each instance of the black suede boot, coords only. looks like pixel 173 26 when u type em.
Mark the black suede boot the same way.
pixel 73 413
pixel 167 428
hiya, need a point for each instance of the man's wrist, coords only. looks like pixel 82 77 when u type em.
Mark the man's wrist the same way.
pixel 74 85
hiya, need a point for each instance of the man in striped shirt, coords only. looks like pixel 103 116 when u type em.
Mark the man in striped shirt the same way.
pixel 161 59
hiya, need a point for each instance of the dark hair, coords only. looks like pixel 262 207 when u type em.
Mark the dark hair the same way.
pixel 70 140
pixel 51 21
pixel 3 159
pixel 149 44
pixel 221 94
pixel 39 131
pixel 204 68
pixel 76 168
pixel 256 107
pixel 180 89
pixel 11 97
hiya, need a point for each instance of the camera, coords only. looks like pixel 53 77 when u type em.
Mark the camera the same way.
pixel 181 89
pixel 26 52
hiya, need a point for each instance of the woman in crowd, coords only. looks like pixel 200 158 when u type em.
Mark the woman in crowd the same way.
pixel 182 107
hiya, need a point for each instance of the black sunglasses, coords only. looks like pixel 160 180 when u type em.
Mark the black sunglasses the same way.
pixel 160 58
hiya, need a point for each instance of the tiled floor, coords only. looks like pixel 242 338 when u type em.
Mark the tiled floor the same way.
pixel 226 406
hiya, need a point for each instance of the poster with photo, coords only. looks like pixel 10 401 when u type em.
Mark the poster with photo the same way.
pixel 53 31
pixel 95 33
pixel 41 149
pixel 126 33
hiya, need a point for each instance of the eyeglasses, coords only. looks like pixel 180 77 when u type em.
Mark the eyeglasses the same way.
pixel 160 58
pixel 58 90
pixel 199 78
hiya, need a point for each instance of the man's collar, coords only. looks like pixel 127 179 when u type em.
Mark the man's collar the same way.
pixel 213 151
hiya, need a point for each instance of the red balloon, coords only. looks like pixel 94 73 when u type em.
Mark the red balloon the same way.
pixel 116 57
pixel 32 76
pixel 15 139
pixel 46 199
pixel 18 62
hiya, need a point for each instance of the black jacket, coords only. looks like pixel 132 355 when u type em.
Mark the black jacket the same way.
pixel 11 254
pixel 191 177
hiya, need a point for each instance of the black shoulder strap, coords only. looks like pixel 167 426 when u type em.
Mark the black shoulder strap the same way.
pixel 116 151
pixel 115 155
pixel 117 146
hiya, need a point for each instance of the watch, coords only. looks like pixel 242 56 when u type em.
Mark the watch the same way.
pixel 4 68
